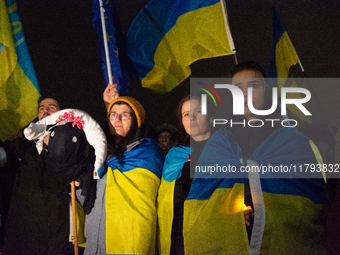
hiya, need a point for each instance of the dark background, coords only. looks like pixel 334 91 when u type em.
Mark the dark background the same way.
pixel 65 52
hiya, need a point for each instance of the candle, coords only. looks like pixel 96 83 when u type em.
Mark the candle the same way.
pixel 246 207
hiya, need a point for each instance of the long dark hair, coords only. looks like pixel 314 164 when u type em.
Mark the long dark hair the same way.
pixel 116 143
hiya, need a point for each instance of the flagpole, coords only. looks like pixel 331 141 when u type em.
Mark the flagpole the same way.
pixel 227 27
pixel 303 70
pixel 108 64
pixel 74 217
pixel 236 62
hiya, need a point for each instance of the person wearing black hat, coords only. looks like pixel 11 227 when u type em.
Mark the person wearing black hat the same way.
pixel 124 218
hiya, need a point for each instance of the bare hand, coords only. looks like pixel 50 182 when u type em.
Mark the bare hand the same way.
pixel 110 93
pixel 247 214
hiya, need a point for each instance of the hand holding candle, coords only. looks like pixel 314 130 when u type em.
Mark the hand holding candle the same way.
pixel 247 212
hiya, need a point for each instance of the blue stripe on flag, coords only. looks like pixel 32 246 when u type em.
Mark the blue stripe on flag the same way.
pixel 161 16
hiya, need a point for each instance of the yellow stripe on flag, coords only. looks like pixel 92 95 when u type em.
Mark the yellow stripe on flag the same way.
pixel 216 226
pixel 8 56
pixel 18 95
pixel 165 212
pixel 286 57
pixel 131 216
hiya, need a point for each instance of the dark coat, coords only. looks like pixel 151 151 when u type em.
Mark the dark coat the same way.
pixel 38 218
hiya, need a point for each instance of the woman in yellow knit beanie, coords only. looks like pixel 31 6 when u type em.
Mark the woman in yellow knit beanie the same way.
pixel 123 220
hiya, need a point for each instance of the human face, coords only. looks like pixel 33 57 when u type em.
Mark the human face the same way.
pixel 195 124
pixel 47 107
pixel 250 78
pixel 164 140
pixel 121 126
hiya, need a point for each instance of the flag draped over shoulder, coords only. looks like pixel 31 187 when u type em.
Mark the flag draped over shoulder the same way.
pixel 286 209
pixel 19 90
pixel 167 36
pixel 172 171
pixel 283 58
pixel 119 77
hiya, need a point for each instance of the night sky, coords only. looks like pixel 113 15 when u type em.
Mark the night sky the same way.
pixel 65 53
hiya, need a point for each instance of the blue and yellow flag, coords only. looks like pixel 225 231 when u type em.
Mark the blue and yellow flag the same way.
pixel 131 190
pixel 287 210
pixel 167 36
pixel 284 54
pixel 172 170
pixel 120 78
pixel 19 90
pixel 283 58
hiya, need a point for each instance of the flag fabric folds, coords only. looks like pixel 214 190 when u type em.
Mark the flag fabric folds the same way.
pixel 132 184
pixel 19 90
pixel 167 36
pixel 284 54
pixel 283 58
pixel 119 77
pixel 172 171
pixel 286 209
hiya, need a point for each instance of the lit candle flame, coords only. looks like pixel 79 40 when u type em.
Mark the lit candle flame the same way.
pixel 246 207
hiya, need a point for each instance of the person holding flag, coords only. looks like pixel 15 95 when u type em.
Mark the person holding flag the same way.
pixel 124 218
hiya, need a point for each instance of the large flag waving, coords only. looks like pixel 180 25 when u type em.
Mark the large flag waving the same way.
pixel 283 58
pixel 167 36
pixel 111 53
pixel 19 90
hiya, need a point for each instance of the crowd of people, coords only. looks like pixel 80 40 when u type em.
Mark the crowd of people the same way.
pixel 145 198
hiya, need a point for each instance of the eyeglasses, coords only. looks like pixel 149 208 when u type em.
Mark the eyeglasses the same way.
pixel 122 116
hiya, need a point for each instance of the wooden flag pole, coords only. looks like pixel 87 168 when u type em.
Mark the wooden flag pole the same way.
pixel 74 217
pixel 236 62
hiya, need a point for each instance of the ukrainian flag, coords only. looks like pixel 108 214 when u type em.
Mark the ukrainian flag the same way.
pixel 19 90
pixel 167 36
pixel 283 58
pixel 172 170
pixel 131 190
pixel 287 211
